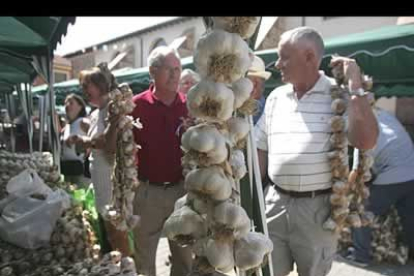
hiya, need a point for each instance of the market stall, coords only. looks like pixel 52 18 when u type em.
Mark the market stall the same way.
pixel 45 225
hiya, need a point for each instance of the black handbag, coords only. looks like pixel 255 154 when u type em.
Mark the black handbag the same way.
pixel 72 167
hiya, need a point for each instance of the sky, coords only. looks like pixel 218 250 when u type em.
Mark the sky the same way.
pixel 88 31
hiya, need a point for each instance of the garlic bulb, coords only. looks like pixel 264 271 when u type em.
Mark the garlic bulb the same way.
pixel 210 101
pixel 337 123
pixel 184 226
pixel 338 106
pixel 207 143
pixel 245 26
pixel 222 57
pixel 238 129
pixel 250 250
pixel 238 164
pixel 220 255
pixel 210 182
pixel 193 201
pixel 242 90
pixel 339 140
pixel 354 220
pixel 231 217
pixel 340 187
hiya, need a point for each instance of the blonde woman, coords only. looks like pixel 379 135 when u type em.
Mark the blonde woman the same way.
pixel 101 139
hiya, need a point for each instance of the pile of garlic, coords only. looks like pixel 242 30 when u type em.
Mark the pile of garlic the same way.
pixel 72 241
pixel 73 238
pixel 386 242
pixel 124 176
pixel 349 190
pixel 208 217
pixel 11 164
pixel 111 264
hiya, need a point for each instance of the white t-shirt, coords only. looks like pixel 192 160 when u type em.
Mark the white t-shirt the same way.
pixel 74 128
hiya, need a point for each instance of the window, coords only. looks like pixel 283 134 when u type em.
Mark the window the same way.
pixel 59 77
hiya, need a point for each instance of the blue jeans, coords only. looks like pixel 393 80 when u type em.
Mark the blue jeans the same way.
pixel 382 197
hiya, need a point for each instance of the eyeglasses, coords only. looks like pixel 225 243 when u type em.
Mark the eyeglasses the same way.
pixel 171 70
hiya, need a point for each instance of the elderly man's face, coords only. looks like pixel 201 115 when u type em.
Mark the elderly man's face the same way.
pixel 167 76
pixel 258 87
pixel 186 84
pixel 292 62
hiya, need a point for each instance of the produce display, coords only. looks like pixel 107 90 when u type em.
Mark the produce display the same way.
pixel 11 164
pixel 72 241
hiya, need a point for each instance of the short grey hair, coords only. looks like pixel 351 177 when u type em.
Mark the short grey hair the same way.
pixel 156 57
pixel 307 35
pixel 190 74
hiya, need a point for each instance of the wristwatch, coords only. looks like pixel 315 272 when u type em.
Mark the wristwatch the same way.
pixel 358 92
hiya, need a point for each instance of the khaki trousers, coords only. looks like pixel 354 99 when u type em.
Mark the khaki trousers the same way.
pixel 295 228
pixel 155 204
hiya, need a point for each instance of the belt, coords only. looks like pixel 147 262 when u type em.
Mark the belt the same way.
pixel 310 194
pixel 160 184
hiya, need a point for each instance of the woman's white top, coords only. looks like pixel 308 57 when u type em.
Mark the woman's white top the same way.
pixel 69 152
pixel 100 167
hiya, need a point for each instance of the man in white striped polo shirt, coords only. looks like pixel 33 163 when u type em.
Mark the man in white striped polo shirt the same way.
pixel 293 141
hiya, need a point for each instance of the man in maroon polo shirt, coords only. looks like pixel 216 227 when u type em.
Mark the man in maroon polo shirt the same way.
pixel 160 110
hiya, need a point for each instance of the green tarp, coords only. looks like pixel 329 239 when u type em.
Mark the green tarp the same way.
pixel 23 38
pixel 138 79
pixel 386 54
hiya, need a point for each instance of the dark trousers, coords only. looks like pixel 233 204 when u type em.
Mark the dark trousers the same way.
pixel 382 197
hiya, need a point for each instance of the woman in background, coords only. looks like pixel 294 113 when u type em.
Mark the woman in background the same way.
pixel 72 157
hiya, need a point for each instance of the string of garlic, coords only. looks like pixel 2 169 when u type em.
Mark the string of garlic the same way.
pixel 209 217
pixel 124 176
pixel 348 189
